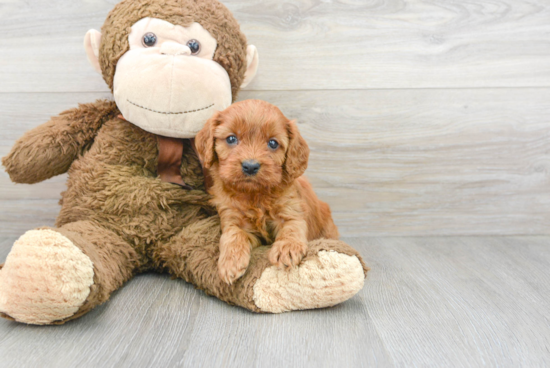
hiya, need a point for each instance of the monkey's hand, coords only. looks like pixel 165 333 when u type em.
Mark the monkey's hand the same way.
pixel 49 149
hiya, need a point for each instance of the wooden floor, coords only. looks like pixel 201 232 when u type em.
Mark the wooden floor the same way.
pixel 429 301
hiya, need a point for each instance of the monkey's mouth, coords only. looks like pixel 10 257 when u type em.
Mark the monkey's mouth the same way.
pixel 170 113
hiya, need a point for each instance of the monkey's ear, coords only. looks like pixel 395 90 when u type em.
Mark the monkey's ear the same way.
pixel 204 141
pixel 92 40
pixel 252 61
pixel 297 154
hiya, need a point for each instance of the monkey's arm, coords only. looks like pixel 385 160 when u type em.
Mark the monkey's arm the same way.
pixel 49 149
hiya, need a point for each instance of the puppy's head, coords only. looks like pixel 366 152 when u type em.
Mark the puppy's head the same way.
pixel 251 145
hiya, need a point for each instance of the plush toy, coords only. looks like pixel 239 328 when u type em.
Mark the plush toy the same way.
pixel 135 198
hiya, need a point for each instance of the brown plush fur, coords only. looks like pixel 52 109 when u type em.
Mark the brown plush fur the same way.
pixel 276 205
pixel 51 148
pixel 115 208
pixel 114 260
pixel 211 14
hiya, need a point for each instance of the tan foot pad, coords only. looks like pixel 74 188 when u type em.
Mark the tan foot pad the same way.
pixel 45 278
pixel 327 280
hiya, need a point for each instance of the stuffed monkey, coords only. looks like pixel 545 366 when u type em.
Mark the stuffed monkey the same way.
pixel 135 198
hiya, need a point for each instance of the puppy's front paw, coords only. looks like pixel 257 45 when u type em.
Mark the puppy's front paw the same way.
pixel 287 253
pixel 232 264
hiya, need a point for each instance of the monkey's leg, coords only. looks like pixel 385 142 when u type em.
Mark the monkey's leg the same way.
pixel 52 275
pixel 330 273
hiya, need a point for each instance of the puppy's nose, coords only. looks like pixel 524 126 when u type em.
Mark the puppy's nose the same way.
pixel 251 167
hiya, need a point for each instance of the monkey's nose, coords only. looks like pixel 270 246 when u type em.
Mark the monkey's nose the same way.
pixel 174 48
pixel 251 167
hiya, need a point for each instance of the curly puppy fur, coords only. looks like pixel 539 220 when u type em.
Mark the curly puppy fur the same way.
pixel 275 204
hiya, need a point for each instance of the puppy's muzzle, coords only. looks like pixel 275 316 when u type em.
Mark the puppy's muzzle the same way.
pixel 250 167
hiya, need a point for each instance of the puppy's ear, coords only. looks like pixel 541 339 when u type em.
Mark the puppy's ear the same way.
pixel 204 141
pixel 297 154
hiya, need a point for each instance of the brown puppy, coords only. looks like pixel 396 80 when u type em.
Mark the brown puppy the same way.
pixel 256 157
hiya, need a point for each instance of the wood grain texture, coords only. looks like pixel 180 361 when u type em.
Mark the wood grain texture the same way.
pixel 460 302
pixel 310 44
pixel 438 301
pixel 389 162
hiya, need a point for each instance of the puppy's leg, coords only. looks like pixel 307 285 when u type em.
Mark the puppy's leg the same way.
pixel 290 245
pixel 235 245
pixel 235 250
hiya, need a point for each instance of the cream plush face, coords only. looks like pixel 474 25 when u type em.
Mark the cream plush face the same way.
pixel 164 84
pixel 168 83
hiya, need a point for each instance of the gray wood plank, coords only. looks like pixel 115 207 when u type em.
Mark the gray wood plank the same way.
pixel 461 302
pixel 309 44
pixel 428 301
pixel 388 162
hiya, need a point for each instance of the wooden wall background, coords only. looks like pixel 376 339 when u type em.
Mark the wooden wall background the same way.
pixel 425 117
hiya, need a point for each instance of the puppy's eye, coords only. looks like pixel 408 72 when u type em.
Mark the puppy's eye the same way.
pixel 149 39
pixel 194 46
pixel 273 144
pixel 232 140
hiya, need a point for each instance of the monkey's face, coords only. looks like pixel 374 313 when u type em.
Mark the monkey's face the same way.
pixel 168 82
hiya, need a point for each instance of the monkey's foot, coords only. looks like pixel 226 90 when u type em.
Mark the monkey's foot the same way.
pixel 46 278
pixel 325 278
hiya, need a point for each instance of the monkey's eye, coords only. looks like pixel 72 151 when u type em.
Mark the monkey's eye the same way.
pixel 232 140
pixel 194 46
pixel 149 39
pixel 273 144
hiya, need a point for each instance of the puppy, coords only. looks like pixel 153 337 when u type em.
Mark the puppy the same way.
pixel 256 157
